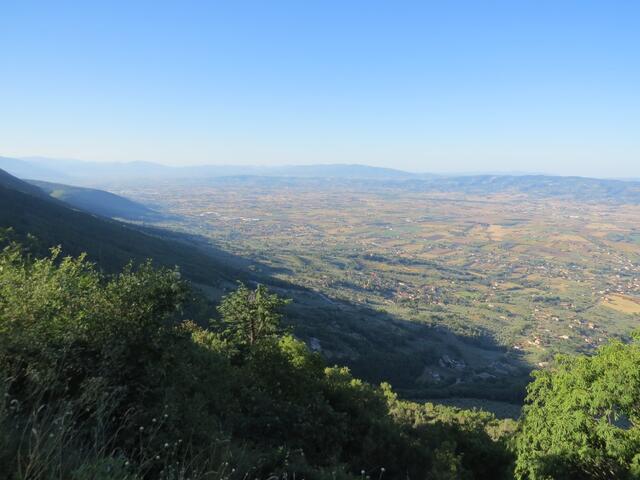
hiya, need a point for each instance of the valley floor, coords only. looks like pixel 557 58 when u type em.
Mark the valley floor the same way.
pixel 504 282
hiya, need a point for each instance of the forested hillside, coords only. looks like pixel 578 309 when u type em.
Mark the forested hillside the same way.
pixel 96 201
pixel 105 377
pixel 120 370
pixel 29 211
pixel 376 345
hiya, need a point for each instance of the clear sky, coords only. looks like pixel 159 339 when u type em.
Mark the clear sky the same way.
pixel 443 86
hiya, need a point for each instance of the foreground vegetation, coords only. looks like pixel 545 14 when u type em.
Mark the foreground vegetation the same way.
pixel 104 377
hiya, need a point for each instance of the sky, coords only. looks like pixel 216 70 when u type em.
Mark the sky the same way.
pixel 445 87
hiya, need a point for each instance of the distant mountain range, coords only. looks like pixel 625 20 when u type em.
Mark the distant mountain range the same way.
pixel 94 173
pixel 79 172
pixel 542 186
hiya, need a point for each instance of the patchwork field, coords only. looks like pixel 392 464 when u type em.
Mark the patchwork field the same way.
pixel 507 280
pixel 623 303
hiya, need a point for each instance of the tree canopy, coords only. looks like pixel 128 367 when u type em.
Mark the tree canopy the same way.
pixel 106 377
pixel 252 315
pixel 103 377
pixel 581 417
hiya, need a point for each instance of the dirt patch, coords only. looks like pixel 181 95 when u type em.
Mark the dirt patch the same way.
pixel 623 303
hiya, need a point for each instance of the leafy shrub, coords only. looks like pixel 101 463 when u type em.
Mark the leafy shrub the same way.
pixel 581 417
pixel 105 378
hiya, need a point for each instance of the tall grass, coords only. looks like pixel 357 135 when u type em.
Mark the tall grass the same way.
pixel 52 441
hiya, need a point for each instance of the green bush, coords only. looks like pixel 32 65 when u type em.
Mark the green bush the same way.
pixel 581 417
pixel 105 378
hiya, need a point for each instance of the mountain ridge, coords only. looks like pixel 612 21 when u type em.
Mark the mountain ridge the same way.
pixel 66 170
pixel 99 202
pixel 28 210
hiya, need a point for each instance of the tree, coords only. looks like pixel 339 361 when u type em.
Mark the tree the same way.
pixel 581 417
pixel 101 376
pixel 252 314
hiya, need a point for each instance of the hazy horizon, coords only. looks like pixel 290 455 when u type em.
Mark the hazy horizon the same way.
pixel 50 163
pixel 429 88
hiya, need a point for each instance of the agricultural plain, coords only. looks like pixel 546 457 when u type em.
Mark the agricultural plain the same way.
pixel 507 279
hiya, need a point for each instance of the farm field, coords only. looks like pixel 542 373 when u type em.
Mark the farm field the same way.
pixel 519 277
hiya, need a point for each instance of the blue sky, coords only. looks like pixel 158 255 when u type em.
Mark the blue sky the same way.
pixel 447 86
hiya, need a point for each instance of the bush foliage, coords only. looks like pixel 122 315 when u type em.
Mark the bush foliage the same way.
pixel 581 418
pixel 105 378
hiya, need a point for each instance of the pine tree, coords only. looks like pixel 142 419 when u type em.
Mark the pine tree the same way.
pixel 251 315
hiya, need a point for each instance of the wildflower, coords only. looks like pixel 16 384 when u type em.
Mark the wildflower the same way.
pixel 153 420
pixel 157 457
pixel 126 464
pixel 382 469
pixel 141 429
pixel 166 445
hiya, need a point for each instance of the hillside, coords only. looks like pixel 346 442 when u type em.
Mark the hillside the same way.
pixel 98 202
pixel 272 392
pixel 378 345
pixel 147 394
pixel 27 210
pixel 13 183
